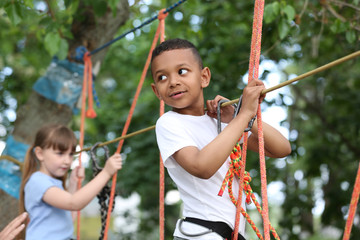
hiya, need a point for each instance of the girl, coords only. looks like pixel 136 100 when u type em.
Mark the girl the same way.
pixel 43 193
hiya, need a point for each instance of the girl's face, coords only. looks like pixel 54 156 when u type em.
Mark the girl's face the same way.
pixel 53 162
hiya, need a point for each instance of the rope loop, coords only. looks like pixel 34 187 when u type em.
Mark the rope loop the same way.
pixel 104 194
pixel 234 170
pixel 162 14
pixel 88 81
pixel 95 161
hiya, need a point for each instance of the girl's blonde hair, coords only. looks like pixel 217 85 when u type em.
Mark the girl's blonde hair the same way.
pixel 56 136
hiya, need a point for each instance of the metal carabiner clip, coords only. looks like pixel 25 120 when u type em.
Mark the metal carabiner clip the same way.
pixel 236 112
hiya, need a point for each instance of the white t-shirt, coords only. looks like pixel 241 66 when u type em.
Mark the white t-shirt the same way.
pixel 200 196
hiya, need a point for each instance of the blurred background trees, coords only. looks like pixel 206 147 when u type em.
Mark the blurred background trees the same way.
pixel 311 189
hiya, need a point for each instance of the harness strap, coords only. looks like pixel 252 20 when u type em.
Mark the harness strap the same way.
pixel 220 228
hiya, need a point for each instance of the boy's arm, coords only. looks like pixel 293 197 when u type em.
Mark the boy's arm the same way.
pixel 205 162
pixel 275 144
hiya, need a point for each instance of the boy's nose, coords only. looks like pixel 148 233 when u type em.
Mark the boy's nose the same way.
pixel 174 81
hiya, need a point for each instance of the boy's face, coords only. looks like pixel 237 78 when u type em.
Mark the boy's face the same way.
pixel 179 81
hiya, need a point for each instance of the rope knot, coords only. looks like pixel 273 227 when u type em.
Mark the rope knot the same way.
pixel 162 14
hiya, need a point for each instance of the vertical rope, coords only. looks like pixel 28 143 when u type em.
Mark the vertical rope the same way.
pixel 162 17
pixel 127 124
pixel 254 74
pixel 87 75
pixel 353 206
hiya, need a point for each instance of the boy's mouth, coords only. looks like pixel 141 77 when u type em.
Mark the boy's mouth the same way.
pixel 176 93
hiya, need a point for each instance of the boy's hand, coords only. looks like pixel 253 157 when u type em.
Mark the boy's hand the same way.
pixel 226 112
pixel 113 164
pixel 252 97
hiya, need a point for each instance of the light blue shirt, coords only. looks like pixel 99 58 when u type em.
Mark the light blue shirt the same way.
pixel 46 221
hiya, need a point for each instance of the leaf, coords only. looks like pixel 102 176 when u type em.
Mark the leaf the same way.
pixel 13 12
pixel 290 12
pixel 283 29
pixel 350 36
pixel 269 13
pixel 29 3
pixel 63 49
pixel 276 8
pixel 52 42
pixel 338 26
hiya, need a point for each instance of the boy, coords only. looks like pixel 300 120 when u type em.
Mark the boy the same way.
pixel 195 155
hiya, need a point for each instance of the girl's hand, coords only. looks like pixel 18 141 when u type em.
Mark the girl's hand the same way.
pixel 77 174
pixel 226 112
pixel 113 164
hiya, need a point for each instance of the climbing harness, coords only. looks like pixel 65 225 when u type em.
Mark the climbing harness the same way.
pixel 104 194
pixel 192 234
pixel 221 228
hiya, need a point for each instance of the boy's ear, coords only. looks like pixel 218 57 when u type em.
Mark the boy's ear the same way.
pixel 38 153
pixel 153 87
pixel 205 77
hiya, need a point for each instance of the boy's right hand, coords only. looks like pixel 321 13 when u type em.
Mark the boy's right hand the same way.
pixel 252 97
pixel 113 164
pixel 227 112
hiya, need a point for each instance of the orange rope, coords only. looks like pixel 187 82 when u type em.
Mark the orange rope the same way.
pixel 162 17
pixel 87 82
pixel 253 74
pixel 127 123
pixel 353 206
pixel 241 186
pixel 90 113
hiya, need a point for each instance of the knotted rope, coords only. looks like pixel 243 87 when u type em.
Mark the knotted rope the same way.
pixel 235 167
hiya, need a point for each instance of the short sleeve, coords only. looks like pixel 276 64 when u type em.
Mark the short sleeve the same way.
pixel 37 185
pixel 171 136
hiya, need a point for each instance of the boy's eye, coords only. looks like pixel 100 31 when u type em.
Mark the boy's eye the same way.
pixel 182 71
pixel 161 77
